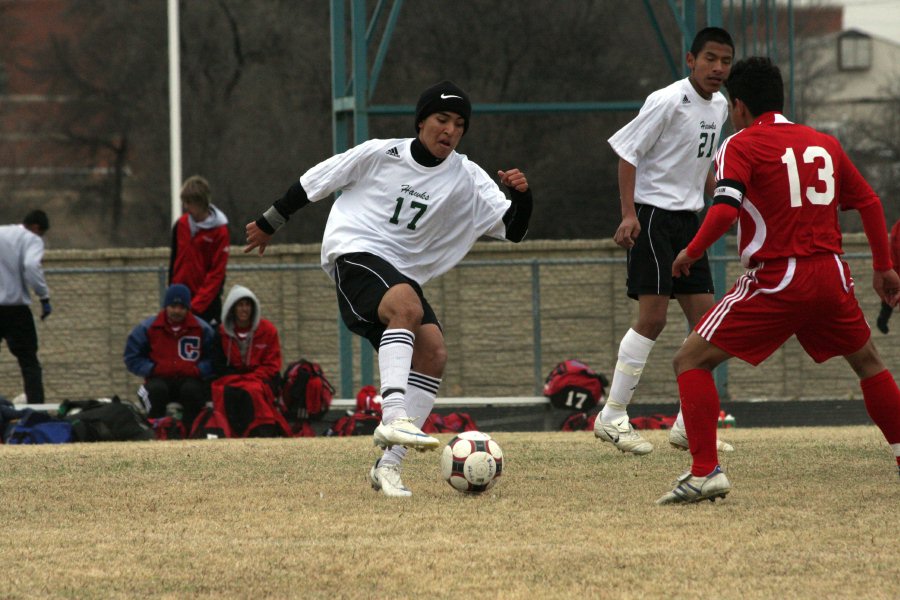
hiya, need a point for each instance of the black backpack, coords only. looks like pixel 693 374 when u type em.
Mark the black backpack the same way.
pixel 113 421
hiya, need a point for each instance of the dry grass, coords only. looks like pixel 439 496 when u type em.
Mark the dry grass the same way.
pixel 813 514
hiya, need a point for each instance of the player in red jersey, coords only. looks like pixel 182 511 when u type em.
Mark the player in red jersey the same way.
pixel 784 184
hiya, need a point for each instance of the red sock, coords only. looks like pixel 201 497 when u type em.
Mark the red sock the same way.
pixel 700 407
pixel 882 398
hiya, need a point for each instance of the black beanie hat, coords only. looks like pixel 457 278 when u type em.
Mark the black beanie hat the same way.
pixel 443 96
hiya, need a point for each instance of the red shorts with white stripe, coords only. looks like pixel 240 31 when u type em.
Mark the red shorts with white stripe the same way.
pixel 810 297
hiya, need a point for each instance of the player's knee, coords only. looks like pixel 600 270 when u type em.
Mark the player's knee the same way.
pixel 683 361
pixel 430 359
pixel 401 306
pixel 410 313
pixel 651 328
pixel 866 362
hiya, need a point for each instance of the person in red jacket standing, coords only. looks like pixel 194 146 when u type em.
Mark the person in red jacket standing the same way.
pixel 886 309
pixel 172 351
pixel 200 245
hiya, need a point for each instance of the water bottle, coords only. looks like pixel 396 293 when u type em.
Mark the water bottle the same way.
pixel 175 410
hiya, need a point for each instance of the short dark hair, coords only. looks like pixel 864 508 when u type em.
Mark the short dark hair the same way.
pixel 37 217
pixel 196 191
pixel 711 34
pixel 756 81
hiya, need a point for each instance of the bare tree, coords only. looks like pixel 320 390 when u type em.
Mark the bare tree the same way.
pixel 107 71
pixel 256 81
pixel 874 145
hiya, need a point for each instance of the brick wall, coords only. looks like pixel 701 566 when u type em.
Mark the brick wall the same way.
pixel 486 312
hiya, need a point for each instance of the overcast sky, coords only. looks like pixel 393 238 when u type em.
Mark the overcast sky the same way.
pixel 878 17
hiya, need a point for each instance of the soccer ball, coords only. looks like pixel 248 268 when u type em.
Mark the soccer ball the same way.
pixel 472 462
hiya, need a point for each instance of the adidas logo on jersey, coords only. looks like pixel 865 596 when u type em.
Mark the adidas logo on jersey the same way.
pixel 685 99
pixel 393 152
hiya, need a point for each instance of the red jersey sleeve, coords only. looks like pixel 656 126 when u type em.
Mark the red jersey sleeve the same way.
pixel 895 245
pixel 855 192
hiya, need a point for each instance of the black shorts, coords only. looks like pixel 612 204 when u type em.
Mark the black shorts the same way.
pixel 361 281
pixel 664 233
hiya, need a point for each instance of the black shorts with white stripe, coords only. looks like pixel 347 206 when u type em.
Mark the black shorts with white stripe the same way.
pixel 664 233
pixel 361 280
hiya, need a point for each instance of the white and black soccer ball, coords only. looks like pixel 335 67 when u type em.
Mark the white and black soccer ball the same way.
pixel 472 462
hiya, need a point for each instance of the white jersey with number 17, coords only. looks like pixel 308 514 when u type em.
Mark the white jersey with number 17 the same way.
pixel 422 220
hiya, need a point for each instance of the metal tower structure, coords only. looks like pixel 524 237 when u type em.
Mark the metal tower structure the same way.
pixel 354 78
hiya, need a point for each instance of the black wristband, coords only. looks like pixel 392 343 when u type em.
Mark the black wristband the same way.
pixel 263 224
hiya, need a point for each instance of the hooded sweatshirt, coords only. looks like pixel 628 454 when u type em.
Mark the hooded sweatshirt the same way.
pixel 199 256
pixel 256 350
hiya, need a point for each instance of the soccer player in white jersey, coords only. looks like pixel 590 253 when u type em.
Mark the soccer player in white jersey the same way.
pixel 665 154
pixel 409 211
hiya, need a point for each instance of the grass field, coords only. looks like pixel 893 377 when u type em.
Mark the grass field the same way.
pixel 813 514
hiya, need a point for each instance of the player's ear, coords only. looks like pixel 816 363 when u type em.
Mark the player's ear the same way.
pixel 689 59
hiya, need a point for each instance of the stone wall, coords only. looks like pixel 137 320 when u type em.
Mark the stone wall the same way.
pixel 485 306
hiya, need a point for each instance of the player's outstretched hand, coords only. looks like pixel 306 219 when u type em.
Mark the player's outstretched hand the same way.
pixel 256 238
pixel 628 231
pixel 682 264
pixel 514 179
pixel 887 286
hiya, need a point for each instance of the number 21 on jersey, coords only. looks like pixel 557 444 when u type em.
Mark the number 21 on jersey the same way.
pixel 814 155
pixel 707 144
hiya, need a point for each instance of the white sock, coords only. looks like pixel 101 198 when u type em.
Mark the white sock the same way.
pixel 420 395
pixel 394 359
pixel 679 418
pixel 633 353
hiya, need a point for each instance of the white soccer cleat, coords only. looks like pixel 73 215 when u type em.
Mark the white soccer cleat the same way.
pixel 622 435
pixel 403 432
pixel 387 480
pixel 678 439
pixel 690 489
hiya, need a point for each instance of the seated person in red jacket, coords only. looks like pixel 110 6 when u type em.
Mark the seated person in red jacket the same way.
pixel 200 245
pixel 248 363
pixel 172 351
pixel 249 343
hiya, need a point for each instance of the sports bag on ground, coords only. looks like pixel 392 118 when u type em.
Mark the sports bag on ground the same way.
pixel 572 385
pixel 241 407
pixel 37 427
pixel 114 421
pixel 366 417
pixel 455 422
pixel 658 421
pixel 168 428
pixel 358 423
pixel 580 421
pixel 306 393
